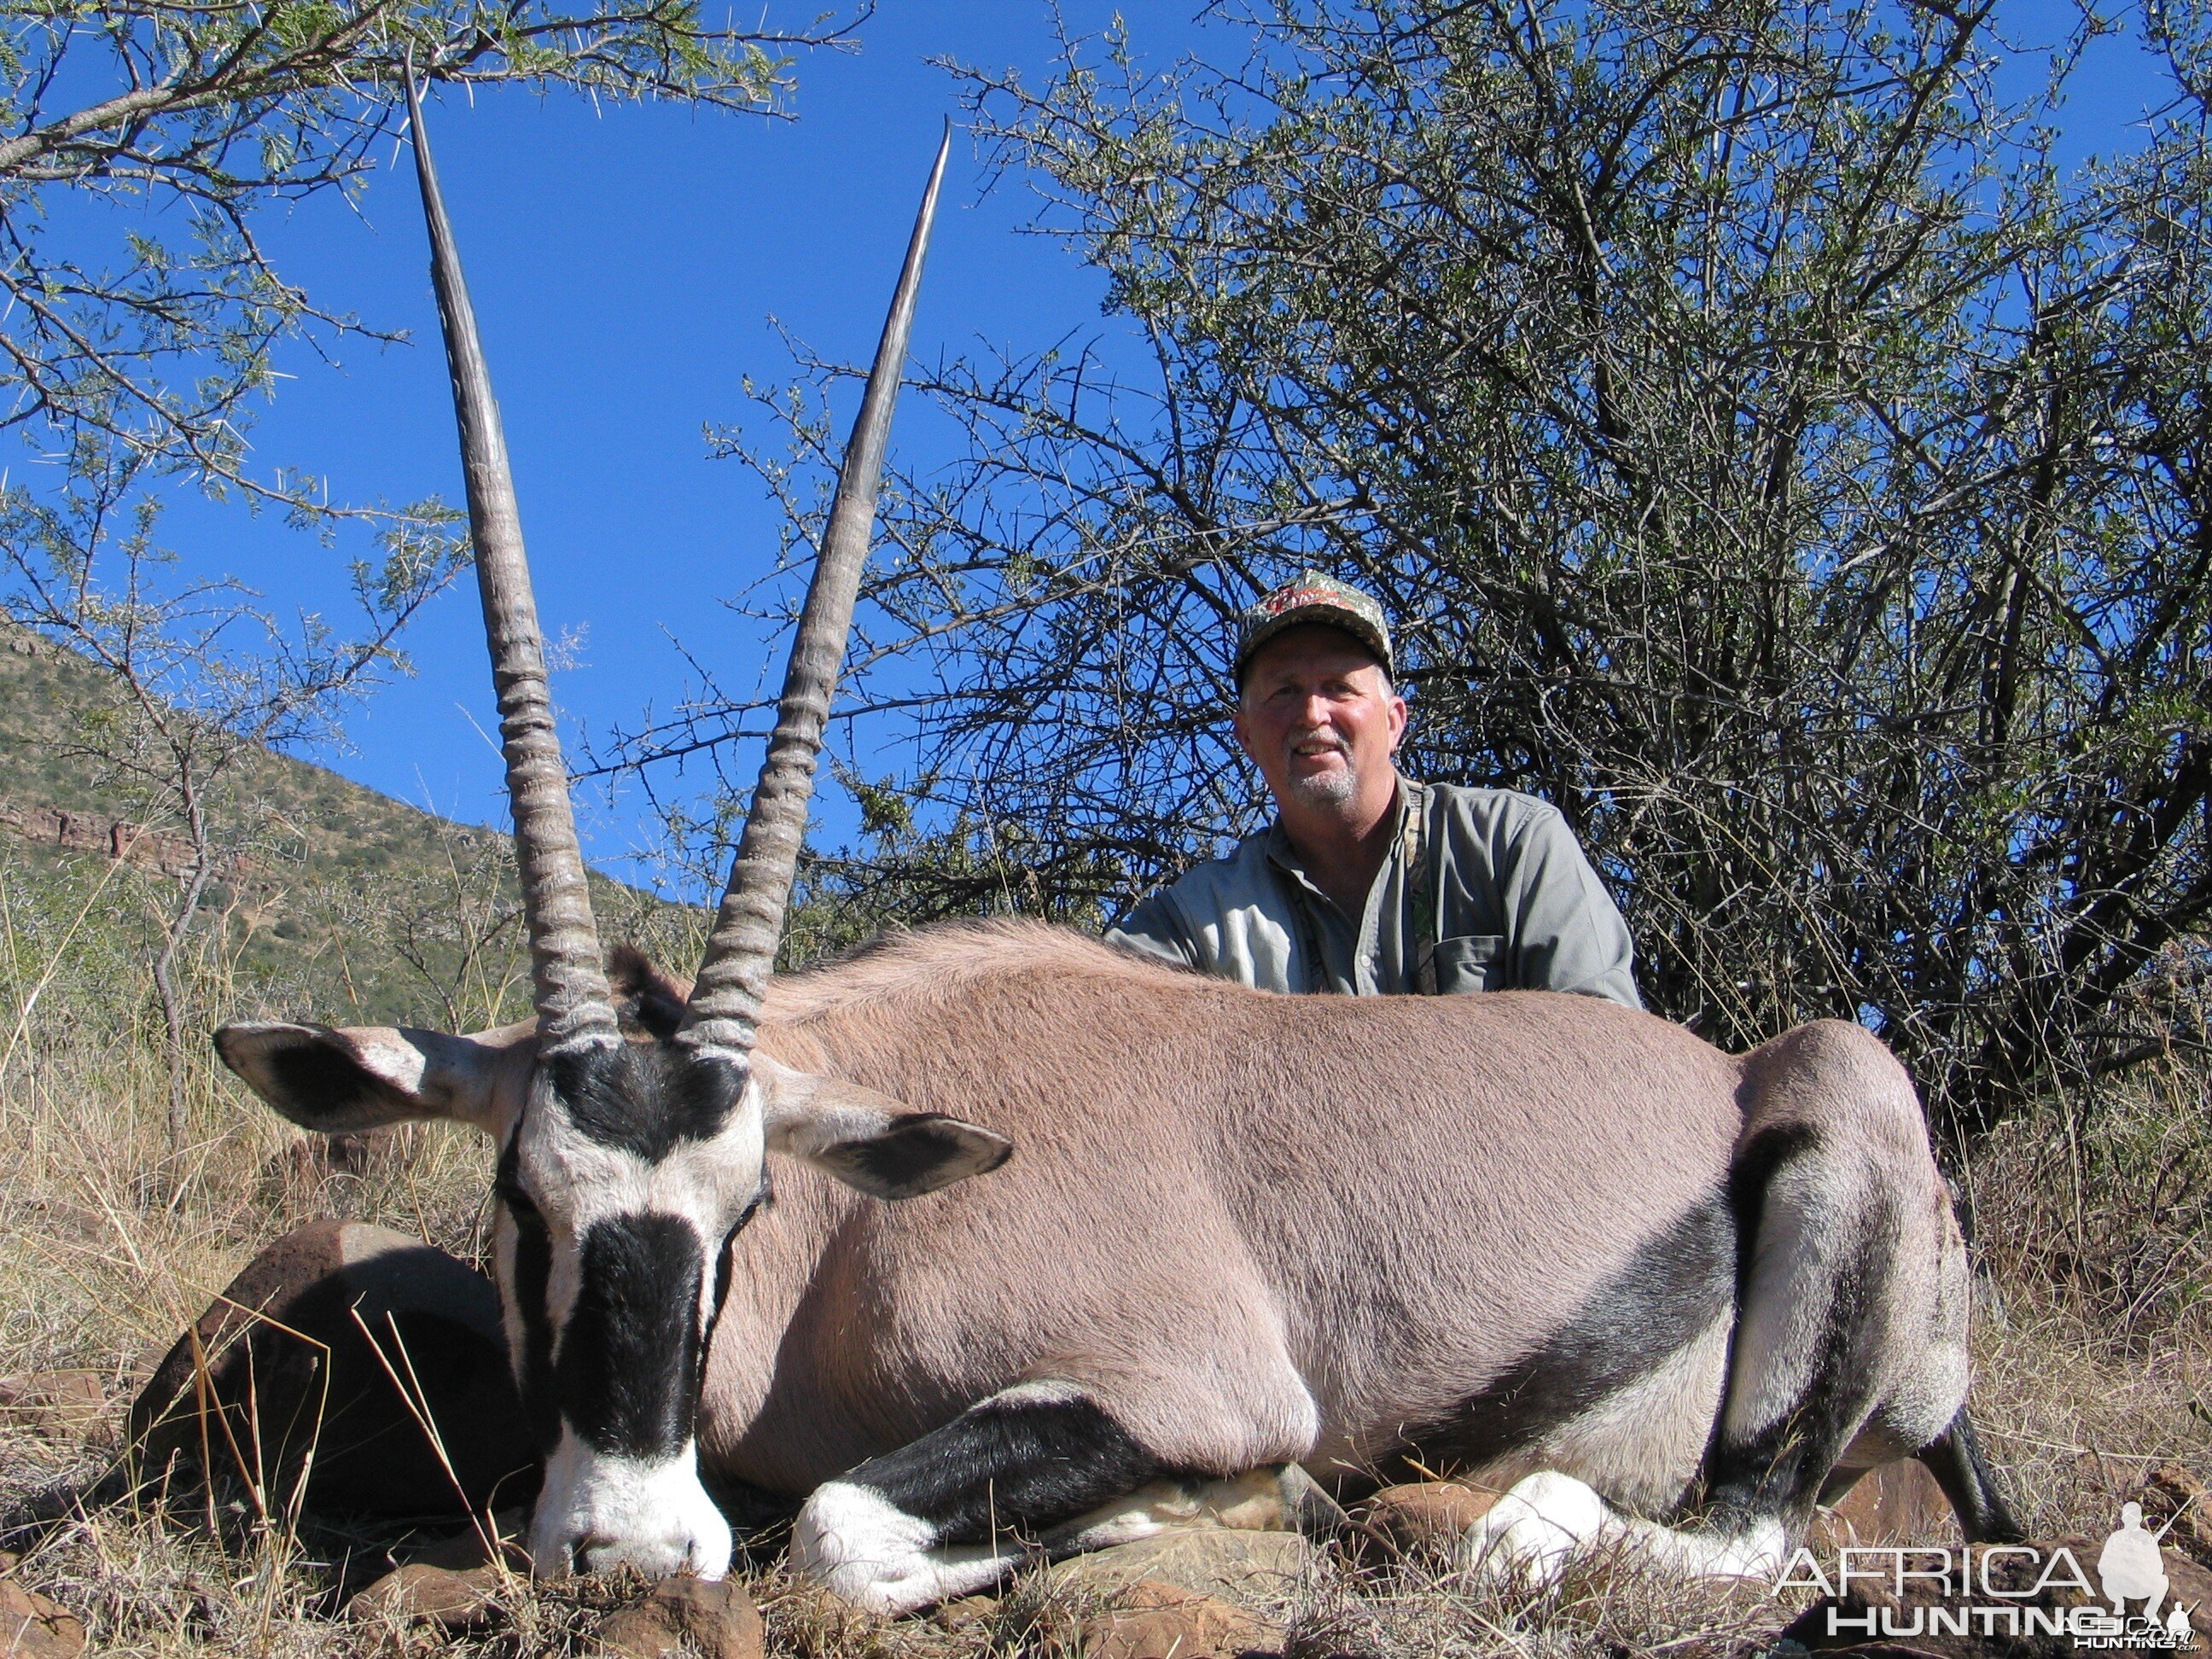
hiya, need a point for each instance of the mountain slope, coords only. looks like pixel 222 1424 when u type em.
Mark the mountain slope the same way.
pixel 331 898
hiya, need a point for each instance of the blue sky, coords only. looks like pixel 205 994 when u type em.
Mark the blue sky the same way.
pixel 625 263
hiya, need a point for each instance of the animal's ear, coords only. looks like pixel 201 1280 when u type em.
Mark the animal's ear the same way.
pixel 870 1141
pixel 646 996
pixel 362 1077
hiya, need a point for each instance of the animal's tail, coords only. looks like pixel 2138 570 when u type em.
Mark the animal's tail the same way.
pixel 1954 1458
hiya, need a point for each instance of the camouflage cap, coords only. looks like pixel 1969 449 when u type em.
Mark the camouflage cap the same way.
pixel 1314 598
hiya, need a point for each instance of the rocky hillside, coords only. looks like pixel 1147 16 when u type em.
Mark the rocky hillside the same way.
pixel 330 897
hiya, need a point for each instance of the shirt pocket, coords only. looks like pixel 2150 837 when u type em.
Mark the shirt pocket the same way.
pixel 1473 962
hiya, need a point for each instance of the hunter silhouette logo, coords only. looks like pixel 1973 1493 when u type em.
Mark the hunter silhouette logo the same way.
pixel 2130 1569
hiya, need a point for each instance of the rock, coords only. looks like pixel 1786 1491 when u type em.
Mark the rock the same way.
pixel 466 1549
pixel 2175 1499
pixel 438 1596
pixel 1216 1561
pixel 262 1349
pixel 714 1618
pixel 957 1615
pixel 1424 1514
pixel 1160 1620
pixel 62 1404
pixel 33 1627
pixel 1895 1505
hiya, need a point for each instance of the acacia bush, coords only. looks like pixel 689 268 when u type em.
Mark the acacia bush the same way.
pixel 1772 456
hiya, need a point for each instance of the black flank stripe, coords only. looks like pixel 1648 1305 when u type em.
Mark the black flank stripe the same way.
pixel 1673 1288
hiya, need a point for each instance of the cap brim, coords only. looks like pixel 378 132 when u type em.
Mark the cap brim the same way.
pixel 1328 616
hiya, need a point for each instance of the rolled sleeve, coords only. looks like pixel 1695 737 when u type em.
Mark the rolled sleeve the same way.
pixel 1568 933
pixel 1153 929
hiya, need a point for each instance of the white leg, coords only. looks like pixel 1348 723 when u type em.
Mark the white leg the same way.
pixel 1549 1520
pixel 877 1556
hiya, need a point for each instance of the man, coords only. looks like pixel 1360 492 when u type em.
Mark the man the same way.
pixel 1368 882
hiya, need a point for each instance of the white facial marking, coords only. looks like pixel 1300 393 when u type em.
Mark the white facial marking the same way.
pixel 606 1510
pixel 857 1543
pixel 577 1182
pixel 599 1511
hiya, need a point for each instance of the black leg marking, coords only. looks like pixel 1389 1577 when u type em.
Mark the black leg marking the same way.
pixel 1670 1292
pixel 1955 1459
pixel 1012 1465
pixel 1778 1472
pixel 628 1371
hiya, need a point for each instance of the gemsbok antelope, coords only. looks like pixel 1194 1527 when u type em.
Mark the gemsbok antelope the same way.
pixel 972 1236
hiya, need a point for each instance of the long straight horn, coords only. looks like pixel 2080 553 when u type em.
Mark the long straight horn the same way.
pixel 741 951
pixel 570 986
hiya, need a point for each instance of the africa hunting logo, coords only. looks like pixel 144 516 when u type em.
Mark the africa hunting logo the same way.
pixel 1885 1594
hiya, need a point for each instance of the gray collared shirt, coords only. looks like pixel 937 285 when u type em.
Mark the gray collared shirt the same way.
pixel 1518 906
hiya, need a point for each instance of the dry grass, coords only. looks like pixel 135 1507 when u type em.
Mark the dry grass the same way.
pixel 2096 1348
pixel 2094 1372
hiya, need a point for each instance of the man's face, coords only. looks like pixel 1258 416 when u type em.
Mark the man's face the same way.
pixel 1319 721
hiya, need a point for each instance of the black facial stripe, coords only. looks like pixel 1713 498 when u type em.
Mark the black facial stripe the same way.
pixel 646 1098
pixel 533 1273
pixel 629 1371
pixel 1011 1467
pixel 722 1265
pixel 1672 1290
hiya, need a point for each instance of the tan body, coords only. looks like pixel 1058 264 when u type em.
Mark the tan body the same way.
pixel 1666 1294
pixel 1263 1229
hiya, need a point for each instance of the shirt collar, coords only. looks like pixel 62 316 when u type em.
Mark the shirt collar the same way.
pixel 1284 857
